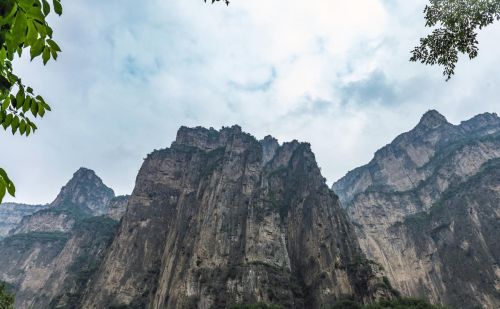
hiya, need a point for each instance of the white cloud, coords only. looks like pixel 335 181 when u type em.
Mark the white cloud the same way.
pixel 132 72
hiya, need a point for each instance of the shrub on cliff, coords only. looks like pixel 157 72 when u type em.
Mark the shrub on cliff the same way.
pixel 6 299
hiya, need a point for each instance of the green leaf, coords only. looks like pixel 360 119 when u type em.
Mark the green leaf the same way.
pixel 22 127
pixel 46 7
pixel 57 7
pixel 6 103
pixel 32 35
pixel 46 55
pixel 11 188
pixel 2 189
pixel 35 13
pixel 3 55
pixel 34 108
pixel 15 124
pixel 27 104
pixel 41 110
pixel 19 29
pixel 53 45
pixel 54 54
pixel 20 98
pixel 7 121
pixel 37 48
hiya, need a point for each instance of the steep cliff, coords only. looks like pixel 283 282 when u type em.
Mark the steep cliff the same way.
pixel 221 218
pixel 51 254
pixel 427 208
pixel 11 215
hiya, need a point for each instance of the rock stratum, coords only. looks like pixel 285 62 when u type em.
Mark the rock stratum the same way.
pixel 220 218
pixel 427 208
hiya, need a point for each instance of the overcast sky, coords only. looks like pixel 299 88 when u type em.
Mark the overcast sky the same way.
pixel 333 73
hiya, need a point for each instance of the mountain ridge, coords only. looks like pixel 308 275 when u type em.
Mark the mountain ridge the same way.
pixel 405 183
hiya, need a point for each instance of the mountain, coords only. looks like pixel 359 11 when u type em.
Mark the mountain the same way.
pixel 427 208
pixel 49 257
pixel 220 218
pixel 11 215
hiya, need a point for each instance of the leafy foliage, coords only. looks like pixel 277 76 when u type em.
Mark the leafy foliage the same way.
pixel 400 303
pixel 23 26
pixel 6 184
pixel 457 24
pixel 6 299
pixel 225 1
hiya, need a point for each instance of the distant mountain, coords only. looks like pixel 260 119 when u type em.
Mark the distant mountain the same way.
pixel 49 256
pixel 220 218
pixel 427 208
pixel 11 215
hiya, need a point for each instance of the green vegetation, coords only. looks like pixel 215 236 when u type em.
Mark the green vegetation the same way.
pixel 6 299
pixel 457 23
pixel 400 303
pixel 23 26
pixel 27 240
pixel 255 306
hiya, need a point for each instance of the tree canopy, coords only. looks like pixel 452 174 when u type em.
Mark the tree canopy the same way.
pixel 456 25
pixel 6 299
pixel 23 27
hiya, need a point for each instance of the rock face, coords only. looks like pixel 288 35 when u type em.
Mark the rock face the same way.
pixel 85 191
pixel 11 215
pixel 427 208
pixel 51 254
pixel 221 218
pixel 117 206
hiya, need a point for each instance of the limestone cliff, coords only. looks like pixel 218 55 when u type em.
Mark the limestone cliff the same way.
pixel 221 218
pixel 11 215
pixel 427 208
pixel 51 254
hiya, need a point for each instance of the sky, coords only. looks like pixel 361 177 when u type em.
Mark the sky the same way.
pixel 332 73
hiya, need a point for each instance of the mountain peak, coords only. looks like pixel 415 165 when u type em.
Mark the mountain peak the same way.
pixel 85 189
pixel 84 172
pixel 432 119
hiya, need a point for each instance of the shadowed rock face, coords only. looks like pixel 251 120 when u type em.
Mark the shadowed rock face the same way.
pixel 427 208
pixel 220 218
pixel 51 254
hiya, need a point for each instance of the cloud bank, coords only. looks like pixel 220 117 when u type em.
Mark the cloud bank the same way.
pixel 333 73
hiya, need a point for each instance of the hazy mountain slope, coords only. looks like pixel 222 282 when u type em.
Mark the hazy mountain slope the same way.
pixel 220 218
pixel 11 215
pixel 440 169
pixel 50 256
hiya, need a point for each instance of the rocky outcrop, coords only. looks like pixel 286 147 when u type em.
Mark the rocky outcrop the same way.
pixel 50 256
pixel 11 215
pixel 221 218
pixel 86 191
pixel 117 207
pixel 427 208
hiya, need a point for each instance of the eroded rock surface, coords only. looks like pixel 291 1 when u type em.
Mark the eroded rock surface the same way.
pixel 427 208
pixel 51 254
pixel 221 218
pixel 11 215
